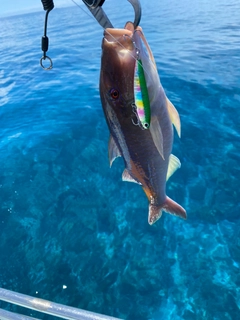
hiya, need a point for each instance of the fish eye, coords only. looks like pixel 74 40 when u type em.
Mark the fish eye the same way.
pixel 114 93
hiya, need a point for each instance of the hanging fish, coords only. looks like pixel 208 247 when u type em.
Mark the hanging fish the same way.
pixel 141 98
pixel 146 153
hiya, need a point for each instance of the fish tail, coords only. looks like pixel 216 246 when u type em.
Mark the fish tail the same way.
pixel 170 206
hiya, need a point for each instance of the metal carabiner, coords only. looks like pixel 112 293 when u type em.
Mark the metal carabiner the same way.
pixel 137 11
pixel 95 7
pixel 44 57
pixel 48 5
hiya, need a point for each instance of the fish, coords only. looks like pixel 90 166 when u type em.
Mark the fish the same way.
pixel 146 151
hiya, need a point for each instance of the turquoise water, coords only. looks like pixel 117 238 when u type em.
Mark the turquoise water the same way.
pixel 66 219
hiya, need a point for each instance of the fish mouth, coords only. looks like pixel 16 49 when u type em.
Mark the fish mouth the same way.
pixel 113 35
pixel 119 39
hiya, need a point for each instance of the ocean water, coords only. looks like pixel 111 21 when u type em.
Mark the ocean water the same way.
pixel 67 219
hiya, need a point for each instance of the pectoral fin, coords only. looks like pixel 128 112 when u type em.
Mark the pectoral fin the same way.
pixel 174 164
pixel 174 116
pixel 127 177
pixel 113 151
pixel 156 134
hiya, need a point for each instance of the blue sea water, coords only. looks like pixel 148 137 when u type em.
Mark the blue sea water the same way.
pixel 66 219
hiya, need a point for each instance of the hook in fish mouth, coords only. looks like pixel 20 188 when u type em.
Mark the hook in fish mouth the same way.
pixel 95 8
pixel 111 34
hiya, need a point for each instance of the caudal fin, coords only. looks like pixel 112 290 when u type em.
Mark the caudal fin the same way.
pixel 170 206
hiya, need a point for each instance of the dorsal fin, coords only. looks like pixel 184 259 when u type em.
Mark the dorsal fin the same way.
pixel 113 151
pixel 174 164
pixel 174 116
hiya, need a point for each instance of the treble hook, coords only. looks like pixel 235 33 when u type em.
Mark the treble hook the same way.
pixel 95 7
pixel 48 5
pixel 134 110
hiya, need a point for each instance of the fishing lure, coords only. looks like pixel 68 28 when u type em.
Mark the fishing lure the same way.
pixel 142 103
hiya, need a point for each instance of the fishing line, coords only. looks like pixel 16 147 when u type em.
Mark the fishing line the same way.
pixel 82 9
